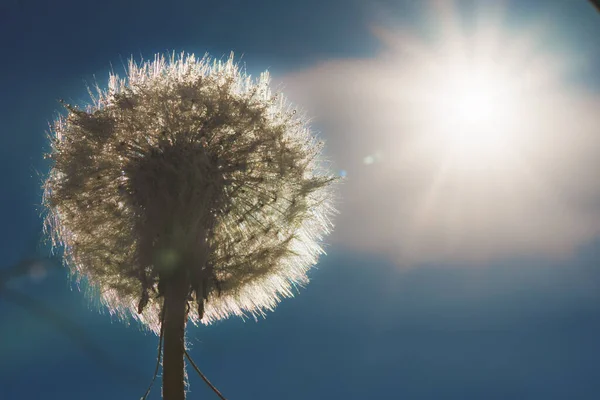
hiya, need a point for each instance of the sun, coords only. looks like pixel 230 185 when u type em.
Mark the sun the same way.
pixel 483 139
pixel 476 106
pixel 474 101
pixel 472 94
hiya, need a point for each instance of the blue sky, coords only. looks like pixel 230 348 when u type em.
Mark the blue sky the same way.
pixel 509 309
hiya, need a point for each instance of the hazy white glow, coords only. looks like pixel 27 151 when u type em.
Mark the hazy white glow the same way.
pixel 486 152
pixel 475 107
pixel 474 100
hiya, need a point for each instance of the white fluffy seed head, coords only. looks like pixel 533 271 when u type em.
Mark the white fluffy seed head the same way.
pixel 188 162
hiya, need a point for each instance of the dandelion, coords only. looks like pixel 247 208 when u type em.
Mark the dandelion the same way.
pixel 187 190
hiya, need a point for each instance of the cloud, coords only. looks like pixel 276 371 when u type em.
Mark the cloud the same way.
pixel 404 197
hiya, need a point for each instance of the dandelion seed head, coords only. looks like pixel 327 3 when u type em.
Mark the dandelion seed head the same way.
pixel 188 163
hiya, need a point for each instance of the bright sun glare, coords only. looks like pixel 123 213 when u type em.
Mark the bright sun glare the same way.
pixel 476 104
pixel 473 92
pixel 474 101
pixel 483 145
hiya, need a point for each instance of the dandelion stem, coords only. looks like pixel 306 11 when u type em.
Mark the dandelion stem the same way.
pixel 175 305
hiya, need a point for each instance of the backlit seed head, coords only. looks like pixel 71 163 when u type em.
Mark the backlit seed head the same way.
pixel 188 163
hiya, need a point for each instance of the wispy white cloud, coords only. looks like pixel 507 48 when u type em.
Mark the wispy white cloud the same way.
pixel 405 197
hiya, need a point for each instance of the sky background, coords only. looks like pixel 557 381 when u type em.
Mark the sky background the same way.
pixel 484 286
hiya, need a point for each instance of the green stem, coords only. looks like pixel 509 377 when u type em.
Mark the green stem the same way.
pixel 175 304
